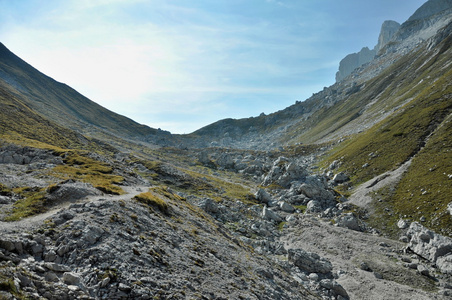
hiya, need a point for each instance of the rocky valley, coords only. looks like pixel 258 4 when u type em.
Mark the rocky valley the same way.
pixel 343 196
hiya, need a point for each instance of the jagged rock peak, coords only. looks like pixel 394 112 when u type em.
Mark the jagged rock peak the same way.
pixel 388 28
pixel 430 8
pixel 353 61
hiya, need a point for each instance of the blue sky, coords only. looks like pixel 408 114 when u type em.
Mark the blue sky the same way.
pixel 180 65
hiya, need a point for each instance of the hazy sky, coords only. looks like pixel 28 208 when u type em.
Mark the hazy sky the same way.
pixel 182 64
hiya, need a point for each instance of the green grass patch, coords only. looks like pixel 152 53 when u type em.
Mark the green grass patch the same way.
pixel 82 168
pixel 281 226
pixel 302 208
pixel 152 200
pixel 4 190
pixel 218 188
pixel 393 141
pixel 167 192
pixel 32 202
pixel 426 188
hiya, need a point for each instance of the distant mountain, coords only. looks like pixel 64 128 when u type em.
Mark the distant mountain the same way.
pixel 348 106
pixel 65 106
pixel 349 177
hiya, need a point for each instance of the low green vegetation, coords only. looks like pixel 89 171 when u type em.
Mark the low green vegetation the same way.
pixel 78 166
pixel 4 190
pixel 419 129
pixel 425 189
pixel 392 142
pixel 219 189
pixel 7 285
pixel 152 200
pixel 32 202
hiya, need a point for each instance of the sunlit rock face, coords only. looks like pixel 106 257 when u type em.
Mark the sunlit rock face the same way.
pixel 353 61
pixel 387 31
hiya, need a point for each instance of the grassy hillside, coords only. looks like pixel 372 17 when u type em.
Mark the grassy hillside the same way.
pixel 419 128
pixel 19 123
pixel 63 104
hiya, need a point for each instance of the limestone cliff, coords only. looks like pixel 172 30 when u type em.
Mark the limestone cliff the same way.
pixel 353 61
pixel 386 33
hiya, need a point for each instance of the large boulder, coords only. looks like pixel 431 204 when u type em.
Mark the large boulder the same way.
pixel 271 215
pixel 432 246
pixel 313 206
pixel 284 172
pixel 309 261
pixel 208 205
pixel 263 196
pixel 226 161
pixel 349 221
pixel 340 178
pixel 286 207
pixel 71 191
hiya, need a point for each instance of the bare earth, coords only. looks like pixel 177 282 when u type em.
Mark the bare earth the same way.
pixel 346 249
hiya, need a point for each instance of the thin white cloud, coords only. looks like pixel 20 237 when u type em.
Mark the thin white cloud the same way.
pixel 171 58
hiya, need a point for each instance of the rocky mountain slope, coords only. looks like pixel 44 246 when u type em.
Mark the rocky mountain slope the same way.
pixel 65 106
pixel 299 122
pixel 343 196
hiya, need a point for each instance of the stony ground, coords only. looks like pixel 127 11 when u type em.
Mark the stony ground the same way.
pixel 297 242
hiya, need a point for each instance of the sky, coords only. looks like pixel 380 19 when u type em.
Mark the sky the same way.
pixel 180 65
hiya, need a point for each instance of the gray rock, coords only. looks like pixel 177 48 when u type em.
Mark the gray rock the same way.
pixel 51 276
pixel 125 288
pixel 71 191
pixel 105 282
pixel 5 199
pixel 50 256
pixel 309 262
pixel 388 29
pixel 339 290
pixel 432 246
pixel 353 61
pixel 423 270
pixel 313 277
pixel 56 267
pixel 271 215
pixel 92 234
pixel 316 187
pixel 445 263
pixel 286 207
pixel 402 224
pixel 404 239
pixel 378 275
pixel 334 165
pixel 7 245
pixel 449 208
pixel 413 266
pixel 71 278
pixel 348 221
pixel 62 250
pixel 36 249
pixel 209 205
pixel 313 207
pixel 284 172
pixel 263 196
pixel 340 178
pixel 365 267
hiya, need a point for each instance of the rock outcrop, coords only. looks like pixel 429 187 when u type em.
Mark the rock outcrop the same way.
pixel 431 246
pixel 388 29
pixel 353 61
pixel 400 39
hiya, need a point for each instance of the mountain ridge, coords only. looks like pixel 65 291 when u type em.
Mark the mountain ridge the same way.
pixel 347 190
pixel 408 37
pixel 66 106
